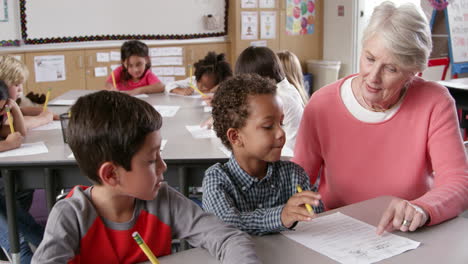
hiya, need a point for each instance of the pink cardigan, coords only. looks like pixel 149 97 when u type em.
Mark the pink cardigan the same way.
pixel 395 157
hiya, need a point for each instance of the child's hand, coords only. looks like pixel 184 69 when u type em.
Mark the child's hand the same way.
pixel 207 99
pixel 14 140
pixel 47 116
pixel 182 91
pixel 207 123
pixel 295 209
pixel 56 117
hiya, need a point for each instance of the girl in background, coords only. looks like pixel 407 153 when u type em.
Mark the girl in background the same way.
pixel 293 71
pixel 134 76
pixel 264 62
pixel 209 72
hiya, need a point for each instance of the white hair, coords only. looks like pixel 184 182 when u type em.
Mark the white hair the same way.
pixel 405 32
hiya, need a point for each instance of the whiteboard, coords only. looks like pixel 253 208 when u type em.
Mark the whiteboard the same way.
pixel 10 29
pixel 457 12
pixel 88 19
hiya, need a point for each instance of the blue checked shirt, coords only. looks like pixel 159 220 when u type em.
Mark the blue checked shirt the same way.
pixel 253 205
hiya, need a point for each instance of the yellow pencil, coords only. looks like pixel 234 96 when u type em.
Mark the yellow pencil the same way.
pixel 113 80
pixel 191 82
pixel 47 99
pixel 10 120
pixel 309 208
pixel 145 248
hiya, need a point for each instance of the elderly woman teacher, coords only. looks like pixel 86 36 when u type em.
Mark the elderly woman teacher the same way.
pixel 385 131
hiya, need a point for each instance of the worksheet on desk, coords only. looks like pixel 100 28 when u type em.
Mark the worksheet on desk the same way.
pixel 348 240
pixel 26 149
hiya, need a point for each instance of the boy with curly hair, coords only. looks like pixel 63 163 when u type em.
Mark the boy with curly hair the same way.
pixel 118 149
pixel 255 190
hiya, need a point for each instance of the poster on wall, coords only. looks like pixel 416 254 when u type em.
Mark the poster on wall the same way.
pixel 249 4
pixel 49 68
pixel 3 11
pixel 267 4
pixel 249 26
pixel 300 17
pixel 268 25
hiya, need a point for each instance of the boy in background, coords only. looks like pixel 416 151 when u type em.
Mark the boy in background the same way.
pixel 255 190
pixel 118 149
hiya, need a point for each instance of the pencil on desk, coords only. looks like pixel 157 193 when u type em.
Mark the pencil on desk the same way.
pixel 309 208
pixel 191 82
pixel 10 120
pixel 113 80
pixel 145 248
pixel 47 99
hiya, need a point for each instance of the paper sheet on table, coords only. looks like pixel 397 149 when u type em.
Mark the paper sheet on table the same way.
pixel 195 95
pixel 62 102
pixel 285 152
pixel 201 132
pixel 49 126
pixel 26 149
pixel 167 110
pixel 348 240
pixel 141 96
pixel 207 109
pixel 454 84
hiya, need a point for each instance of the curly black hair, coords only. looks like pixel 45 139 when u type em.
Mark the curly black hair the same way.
pixel 213 63
pixel 231 105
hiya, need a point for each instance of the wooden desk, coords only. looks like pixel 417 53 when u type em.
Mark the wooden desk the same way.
pixel 187 158
pixel 443 243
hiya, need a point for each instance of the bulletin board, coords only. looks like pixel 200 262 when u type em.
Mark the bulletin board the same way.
pixel 457 14
pixel 53 21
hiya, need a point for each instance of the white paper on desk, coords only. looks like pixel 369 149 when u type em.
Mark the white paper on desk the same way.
pixel 348 240
pixel 195 95
pixel 201 132
pixel 26 149
pixel 62 102
pixel 167 110
pixel 454 84
pixel 71 156
pixel 207 109
pixel 163 144
pixel 141 96
pixel 49 126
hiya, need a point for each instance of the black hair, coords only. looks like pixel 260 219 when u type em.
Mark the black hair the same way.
pixel 133 48
pixel 262 61
pixel 231 102
pixel 213 63
pixel 109 126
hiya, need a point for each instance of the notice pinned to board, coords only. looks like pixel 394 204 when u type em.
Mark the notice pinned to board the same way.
pixel 249 29
pixel 268 25
pixel 49 68
pixel 100 71
pixel 166 51
pixel 115 55
pixel 102 57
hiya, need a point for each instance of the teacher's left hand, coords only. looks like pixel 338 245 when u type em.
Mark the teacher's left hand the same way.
pixel 401 215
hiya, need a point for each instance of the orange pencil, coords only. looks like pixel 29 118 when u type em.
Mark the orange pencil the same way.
pixel 113 80
pixel 10 120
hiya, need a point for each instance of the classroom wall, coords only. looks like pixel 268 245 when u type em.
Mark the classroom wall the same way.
pixel 304 46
